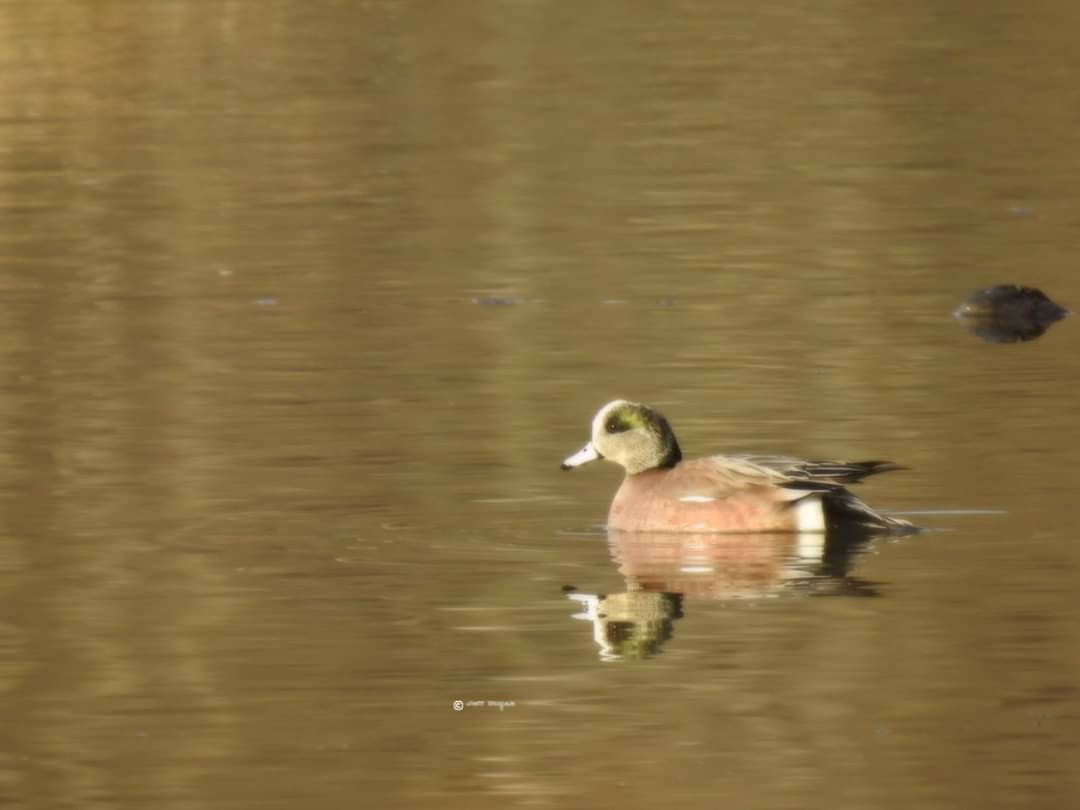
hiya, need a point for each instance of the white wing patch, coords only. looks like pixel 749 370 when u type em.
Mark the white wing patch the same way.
pixel 696 499
pixel 809 515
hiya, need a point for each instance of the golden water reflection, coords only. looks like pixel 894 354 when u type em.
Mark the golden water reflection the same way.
pixel 301 301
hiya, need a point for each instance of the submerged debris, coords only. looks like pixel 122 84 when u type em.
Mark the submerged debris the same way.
pixel 1007 313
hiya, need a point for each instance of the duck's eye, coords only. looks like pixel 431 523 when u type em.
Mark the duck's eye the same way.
pixel 616 425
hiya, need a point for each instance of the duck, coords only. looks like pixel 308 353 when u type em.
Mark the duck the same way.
pixel 662 492
pixel 1009 313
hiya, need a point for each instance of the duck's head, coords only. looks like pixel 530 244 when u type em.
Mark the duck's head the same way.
pixel 632 435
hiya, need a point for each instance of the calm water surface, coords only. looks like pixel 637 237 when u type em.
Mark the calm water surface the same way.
pixel 304 303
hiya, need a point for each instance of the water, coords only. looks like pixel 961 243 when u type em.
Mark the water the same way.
pixel 304 303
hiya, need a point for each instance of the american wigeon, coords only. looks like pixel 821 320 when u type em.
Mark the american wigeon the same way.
pixel 661 492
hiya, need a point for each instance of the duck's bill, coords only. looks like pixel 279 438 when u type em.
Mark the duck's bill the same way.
pixel 583 456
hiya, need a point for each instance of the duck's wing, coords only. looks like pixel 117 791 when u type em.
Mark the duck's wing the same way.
pixel 786 479
pixel 719 477
pixel 798 472
pixel 829 478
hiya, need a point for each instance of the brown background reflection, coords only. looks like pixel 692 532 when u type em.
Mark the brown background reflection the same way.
pixel 304 302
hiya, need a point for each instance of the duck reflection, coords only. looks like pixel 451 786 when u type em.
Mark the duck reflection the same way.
pixel 634 624
pixel 1008 313
pixel 663 569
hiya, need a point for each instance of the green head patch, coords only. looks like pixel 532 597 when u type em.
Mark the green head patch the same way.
pixel 626 417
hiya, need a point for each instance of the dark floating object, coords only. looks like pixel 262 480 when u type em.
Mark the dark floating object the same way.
pixel 1007 313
